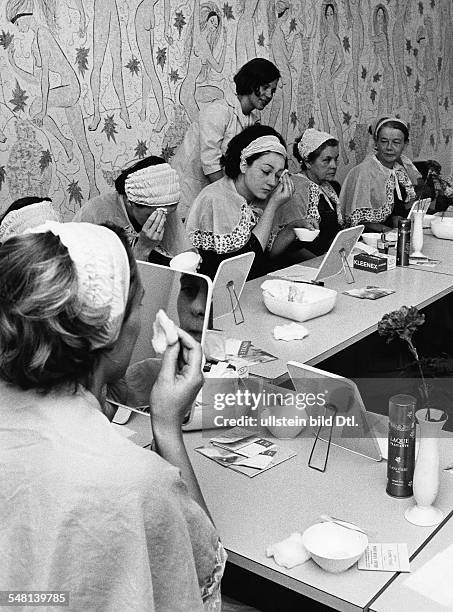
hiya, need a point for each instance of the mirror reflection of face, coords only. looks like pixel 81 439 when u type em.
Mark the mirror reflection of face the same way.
pixel 261 98
pixel 324 167
pixel 191 304
pixel 390 144
pixel 262 176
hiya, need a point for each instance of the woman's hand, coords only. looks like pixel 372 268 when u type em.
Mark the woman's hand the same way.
pixel 178 383
pixel 151 234
pixel 307 223
pixel 282 193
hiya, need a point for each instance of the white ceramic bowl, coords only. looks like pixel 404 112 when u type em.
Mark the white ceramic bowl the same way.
pixel 305 234
pixel 316 301
pixel 186 262
pixel 371 238
pixel 442 227
pixel 427 220
pixel 334 548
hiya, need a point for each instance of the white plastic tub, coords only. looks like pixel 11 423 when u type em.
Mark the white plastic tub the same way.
pixel 316 301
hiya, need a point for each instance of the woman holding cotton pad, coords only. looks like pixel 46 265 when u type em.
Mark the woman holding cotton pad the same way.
pixel 144 205
pixel 315 191
pixel 239 213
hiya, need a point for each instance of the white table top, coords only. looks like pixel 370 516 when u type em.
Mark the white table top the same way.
pixel 252 513
pixel 351 319
pixel 436 248
pixel 408 599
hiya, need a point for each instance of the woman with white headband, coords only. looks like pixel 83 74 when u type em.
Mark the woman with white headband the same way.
pixel 144 205
pixel 26 213
pixel 238 213
pixel 315 198
pixel 83 509
pixel 380 190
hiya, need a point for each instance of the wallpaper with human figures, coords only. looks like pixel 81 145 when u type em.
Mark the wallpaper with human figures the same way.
pixel 89 86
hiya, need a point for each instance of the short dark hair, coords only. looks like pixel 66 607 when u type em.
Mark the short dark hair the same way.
pixel 44 339
pixel 152 160
pixel 332 142
pixel 253 74
pixel 232 158
pixel 22 202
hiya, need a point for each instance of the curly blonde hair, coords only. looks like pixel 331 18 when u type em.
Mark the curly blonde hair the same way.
pixel 44 331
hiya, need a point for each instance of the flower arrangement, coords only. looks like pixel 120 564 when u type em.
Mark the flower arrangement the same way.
pixel 402 324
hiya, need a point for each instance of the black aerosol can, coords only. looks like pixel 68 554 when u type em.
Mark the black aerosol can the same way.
pixel 404 242
pixel 401 449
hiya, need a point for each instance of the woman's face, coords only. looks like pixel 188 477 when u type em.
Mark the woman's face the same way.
pixel 329 12
pixel 213 23
pixel 265 94
pixel 191 304
pixel 324 167
pixel 263 175
pixel 23 23
pixel 390 144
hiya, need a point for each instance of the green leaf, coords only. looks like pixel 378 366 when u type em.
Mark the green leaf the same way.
pixel 261 40
pixel 45 160
pixel 228 11
pixel 161 57
pixel 19 99
pixel 75 192
pixel 180 22
pixel 168 152
pixel 82 60
pixel 2 176
pixel 346 44
pixel 174 76
pixel 110 127
pixel 141 149
pixel 133 65
pixel 6 39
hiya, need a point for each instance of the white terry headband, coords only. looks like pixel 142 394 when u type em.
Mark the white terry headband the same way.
pixel 382 122
pixel 311 140
pixel 103 272
pixel 153 186
pixel 262 144
pixel 17 221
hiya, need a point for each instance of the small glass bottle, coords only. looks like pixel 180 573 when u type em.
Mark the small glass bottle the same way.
pixel 382 244
pixel 401 445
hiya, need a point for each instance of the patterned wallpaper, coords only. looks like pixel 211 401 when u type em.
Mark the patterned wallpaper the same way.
pixel 89 86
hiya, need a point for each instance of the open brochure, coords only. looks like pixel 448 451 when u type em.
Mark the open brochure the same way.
pixel 242 451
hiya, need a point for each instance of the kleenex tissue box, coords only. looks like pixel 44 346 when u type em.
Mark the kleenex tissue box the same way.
pixel 374 263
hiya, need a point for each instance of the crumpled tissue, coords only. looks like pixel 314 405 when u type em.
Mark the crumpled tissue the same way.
pixel 290 552
pixel 290 331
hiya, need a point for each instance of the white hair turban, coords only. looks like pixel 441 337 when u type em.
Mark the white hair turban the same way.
pixel 376 125
pixel 17 221
pixel 311 140
pixel 263 144
pixel 153 186
pixel 103 272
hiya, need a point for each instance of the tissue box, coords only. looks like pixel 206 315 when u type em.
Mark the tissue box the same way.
pixel 374 263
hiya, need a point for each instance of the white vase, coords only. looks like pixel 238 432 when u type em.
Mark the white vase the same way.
pixel 417 233
pixel 426 473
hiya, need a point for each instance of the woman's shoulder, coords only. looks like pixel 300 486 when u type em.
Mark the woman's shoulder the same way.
pixel 99 209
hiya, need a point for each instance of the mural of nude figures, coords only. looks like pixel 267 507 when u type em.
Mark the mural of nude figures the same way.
pixel 90 86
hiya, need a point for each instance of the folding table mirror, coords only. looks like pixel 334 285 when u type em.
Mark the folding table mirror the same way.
pixel 228 284
pixel 351 424
pixel 186 298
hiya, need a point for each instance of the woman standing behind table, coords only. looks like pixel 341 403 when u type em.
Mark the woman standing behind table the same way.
pixel 144 205
pixel 315 196
pixel 380 190
pixel 237 214
pixel 84 509
pixel 197 160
